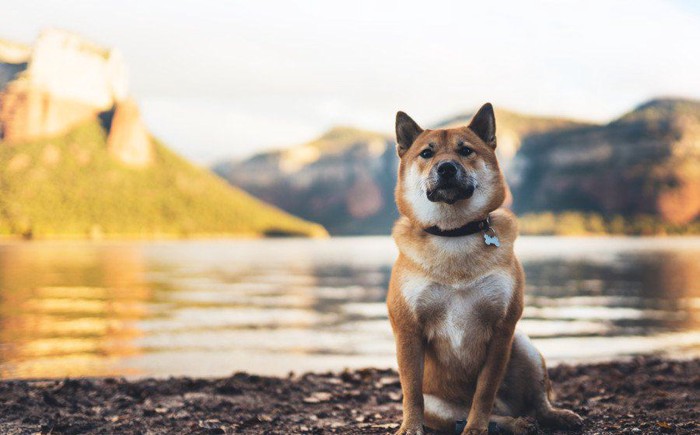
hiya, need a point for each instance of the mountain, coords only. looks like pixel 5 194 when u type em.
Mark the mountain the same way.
pixel 645 163
pixel 345 179
pixel 62 81
pixel 512 128
pixel 76 159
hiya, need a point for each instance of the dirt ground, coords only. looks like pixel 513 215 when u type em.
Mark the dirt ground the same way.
pixel 643 396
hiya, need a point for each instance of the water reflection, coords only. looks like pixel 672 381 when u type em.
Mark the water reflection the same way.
pixel 271 306
pixel 69 309
pixel 638 294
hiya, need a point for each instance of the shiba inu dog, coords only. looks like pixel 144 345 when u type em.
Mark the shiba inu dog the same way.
pixel 456 290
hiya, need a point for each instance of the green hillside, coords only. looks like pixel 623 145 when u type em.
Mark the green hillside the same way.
pixel 69 186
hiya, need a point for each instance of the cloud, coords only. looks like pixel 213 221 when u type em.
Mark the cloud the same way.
pixel 219 78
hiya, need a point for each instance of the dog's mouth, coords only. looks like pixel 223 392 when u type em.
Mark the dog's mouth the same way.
pixel 450 193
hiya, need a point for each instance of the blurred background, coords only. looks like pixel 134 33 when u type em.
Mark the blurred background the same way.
pixel 196 188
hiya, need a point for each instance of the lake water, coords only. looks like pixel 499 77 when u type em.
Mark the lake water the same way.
pixel 209 308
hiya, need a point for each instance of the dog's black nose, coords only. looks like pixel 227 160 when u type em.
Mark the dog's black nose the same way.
pixel 447 170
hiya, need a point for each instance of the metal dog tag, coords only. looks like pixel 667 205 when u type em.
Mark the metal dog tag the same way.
pixel 492 240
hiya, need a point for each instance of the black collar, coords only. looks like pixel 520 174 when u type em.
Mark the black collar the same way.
pixel 465 230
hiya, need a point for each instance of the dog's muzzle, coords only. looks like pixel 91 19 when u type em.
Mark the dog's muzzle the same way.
pixel 449 183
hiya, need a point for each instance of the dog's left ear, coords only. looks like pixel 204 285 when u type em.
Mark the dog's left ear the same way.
pixel 407 130
pixel 484 125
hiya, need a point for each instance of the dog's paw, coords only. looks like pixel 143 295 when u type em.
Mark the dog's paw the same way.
pixel 468 431
pixel 411 429
pixel 569 419
pixel 523 426
pixel 563 419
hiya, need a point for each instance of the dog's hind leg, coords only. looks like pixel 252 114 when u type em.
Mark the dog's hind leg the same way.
pixel 540 389
pixel 550 416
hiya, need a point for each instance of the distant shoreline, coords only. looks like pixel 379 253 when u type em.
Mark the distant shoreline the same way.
pixel 5 238
pixel 154 238
pixel 575 223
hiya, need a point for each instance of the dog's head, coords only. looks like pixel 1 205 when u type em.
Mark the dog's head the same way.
pixel 448 177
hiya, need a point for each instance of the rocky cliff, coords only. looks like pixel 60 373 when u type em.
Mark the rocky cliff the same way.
pixel 345 179
pixel 76 159
pixel 62 81
pixel 647 162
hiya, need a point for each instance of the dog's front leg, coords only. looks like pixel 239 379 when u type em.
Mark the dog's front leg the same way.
pixel 410 354
pixel 489 380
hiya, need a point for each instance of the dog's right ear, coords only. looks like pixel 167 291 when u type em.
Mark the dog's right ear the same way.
pixel 406 132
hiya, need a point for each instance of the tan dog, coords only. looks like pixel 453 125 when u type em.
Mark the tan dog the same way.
pixel 453 299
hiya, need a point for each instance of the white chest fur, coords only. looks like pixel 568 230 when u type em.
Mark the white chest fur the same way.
pixel 450 314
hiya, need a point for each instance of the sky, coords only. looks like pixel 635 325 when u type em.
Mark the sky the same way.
pixel 227 79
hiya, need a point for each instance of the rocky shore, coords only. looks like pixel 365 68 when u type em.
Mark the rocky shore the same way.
pixel 641 396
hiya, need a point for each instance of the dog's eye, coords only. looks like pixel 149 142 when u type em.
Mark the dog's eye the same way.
pixel 465 151
pixel 426 153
